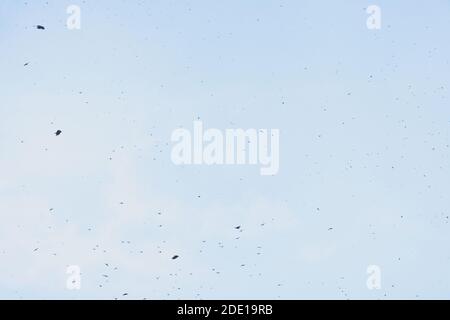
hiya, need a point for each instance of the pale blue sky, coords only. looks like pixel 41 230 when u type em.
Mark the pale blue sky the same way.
pixel 364 149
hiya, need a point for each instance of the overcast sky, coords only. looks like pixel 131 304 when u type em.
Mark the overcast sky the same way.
pixel 364 119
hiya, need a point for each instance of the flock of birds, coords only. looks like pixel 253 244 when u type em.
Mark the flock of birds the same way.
pixel 106 276
pixel 174 257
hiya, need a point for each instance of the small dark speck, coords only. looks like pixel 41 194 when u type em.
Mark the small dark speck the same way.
pixel 39 27
pixel 58 132
pixel 175 257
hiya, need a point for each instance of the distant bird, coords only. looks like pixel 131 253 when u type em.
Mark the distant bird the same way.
pixel 58 132
pixel 39 27
pixel 175 257
pixel 25 64
pixel 238 227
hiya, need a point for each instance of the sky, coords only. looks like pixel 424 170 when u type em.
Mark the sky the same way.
pixel 363 116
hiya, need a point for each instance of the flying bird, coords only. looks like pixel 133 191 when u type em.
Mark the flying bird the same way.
pixel 175 257
pixel 58 132
pixel 39 27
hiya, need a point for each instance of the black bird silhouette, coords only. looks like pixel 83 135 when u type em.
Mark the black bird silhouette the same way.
pixel 174 257
pixel 58 132
pixel 39 27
